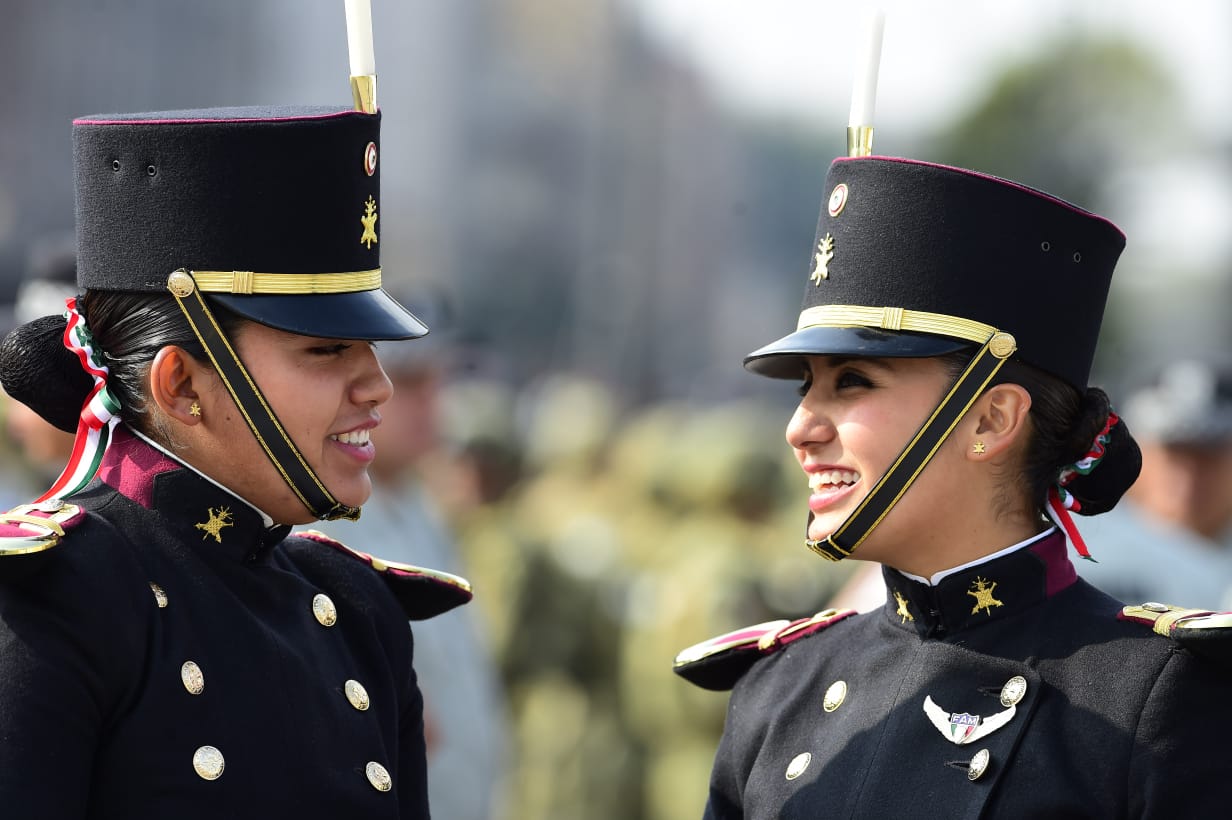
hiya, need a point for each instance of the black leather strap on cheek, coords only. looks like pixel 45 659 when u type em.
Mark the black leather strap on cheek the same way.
pixel 918 452
pixel 271 435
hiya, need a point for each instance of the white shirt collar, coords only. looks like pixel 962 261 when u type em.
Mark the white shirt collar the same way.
pixel 939 576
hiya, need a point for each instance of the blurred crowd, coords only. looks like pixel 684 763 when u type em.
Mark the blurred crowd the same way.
pixel 601 541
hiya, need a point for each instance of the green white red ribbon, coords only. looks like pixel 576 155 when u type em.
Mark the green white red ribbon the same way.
pixel 1061 500
pixel 99 415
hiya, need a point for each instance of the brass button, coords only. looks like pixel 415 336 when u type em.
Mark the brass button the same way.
pixel 1013 691
pixel 181 283
pixel 978 765
pixel 835 696
pixel 160 597
pixel 1002 345
pixel 324 610
pixel 1152 606
pixel 194 680
pixel 209 763
pixel 356 694
pixel 378 776
pixel 798 764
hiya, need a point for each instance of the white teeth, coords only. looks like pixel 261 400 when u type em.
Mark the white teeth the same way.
pixel 356 437
pixel 831 477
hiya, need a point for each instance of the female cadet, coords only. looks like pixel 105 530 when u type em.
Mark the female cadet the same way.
pixel 945 424
pixel 165 648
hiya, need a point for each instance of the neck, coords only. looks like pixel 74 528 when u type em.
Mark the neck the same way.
pixel 965 543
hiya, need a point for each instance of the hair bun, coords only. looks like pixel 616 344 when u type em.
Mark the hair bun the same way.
pixel 1100 489
pixel 37 370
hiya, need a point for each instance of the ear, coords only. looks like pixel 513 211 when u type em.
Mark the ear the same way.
pixel 1000 419
pixel 171 384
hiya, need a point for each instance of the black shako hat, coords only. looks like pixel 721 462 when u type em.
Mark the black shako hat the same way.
pixel 917 259
pixel 274 212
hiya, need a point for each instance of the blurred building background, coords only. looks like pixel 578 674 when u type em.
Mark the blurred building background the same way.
pixel 620 197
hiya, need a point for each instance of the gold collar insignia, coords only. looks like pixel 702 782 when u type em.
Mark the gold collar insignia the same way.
pixel 218 519
pixel 902 607
pixel 981 591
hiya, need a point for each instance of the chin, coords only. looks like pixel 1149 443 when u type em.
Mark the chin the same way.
pixel 353 493
pixel 820 530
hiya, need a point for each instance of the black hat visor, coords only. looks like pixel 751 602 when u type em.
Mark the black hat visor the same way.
pixel 367 315
pixel 782 359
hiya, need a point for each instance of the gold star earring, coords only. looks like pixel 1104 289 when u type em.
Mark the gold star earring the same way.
pixel 195 409
pixel 978 448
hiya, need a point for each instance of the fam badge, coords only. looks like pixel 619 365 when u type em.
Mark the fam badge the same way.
pixel 962 727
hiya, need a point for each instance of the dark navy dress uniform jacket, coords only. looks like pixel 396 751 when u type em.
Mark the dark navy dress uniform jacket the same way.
pixel 173 657
pixel 1114 721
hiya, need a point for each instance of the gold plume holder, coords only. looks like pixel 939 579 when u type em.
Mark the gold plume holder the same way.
pixel 859 140
pixel 363 91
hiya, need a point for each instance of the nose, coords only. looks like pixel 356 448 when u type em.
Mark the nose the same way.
pixel 371 385
pixel 809 426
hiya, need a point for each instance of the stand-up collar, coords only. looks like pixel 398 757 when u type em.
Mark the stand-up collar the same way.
pixel 980 593
pixel 204 512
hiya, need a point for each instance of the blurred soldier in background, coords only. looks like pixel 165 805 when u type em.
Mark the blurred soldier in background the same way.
pixel 464 714
pixel 1170 540
pixel 625 534
pixel 555 553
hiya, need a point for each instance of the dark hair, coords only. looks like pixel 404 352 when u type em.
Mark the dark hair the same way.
pixel 130 328
pixel 1064 425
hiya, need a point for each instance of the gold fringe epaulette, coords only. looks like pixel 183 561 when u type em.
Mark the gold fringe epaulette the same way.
pixel 1201 631
pixel 717 664
pixel 423 593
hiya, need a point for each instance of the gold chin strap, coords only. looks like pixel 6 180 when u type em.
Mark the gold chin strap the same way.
pixel 997 348
pixel 261 419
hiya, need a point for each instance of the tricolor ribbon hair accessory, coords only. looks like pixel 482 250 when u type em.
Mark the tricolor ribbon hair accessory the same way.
pixel 1061 501
pixel 99 415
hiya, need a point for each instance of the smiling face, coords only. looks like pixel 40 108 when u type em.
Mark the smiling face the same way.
pixel 855 416
pixel 324 391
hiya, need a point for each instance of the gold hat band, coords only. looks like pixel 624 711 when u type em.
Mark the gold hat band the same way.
pixel 893 318
pixel 249 282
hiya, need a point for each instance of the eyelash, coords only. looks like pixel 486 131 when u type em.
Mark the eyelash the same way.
pixel 852 378
pixel 329 350
pixel 844 379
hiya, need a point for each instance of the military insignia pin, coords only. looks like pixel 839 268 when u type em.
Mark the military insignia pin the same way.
pixel 218 520
pixel 369 221
pixel 838 198
pixel 902 607
pixel 821 259
pixel 961 727
pixel 370 159
pixel 981 591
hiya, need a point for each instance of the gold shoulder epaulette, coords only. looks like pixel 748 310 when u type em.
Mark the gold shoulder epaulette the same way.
pixel 1202 631
pixel 29 531
pixel 33 528
pixel 422 592
pixel 717 664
